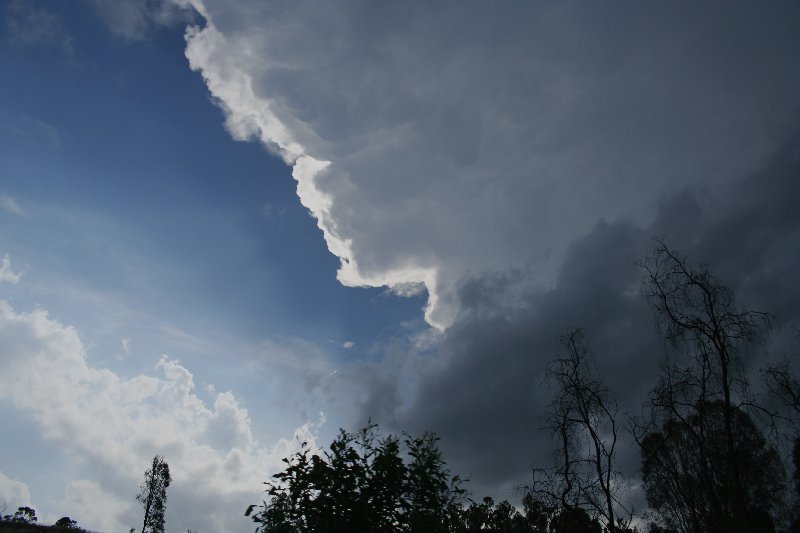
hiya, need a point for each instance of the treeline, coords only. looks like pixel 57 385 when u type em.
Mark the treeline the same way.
pixel 25 519
pixel 368 482
pixel 152 496
pixel 709 445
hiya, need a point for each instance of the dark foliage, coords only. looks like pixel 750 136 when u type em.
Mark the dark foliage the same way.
pixel 24 520
pixel 362 484
pixel 687 480
pixel 23 515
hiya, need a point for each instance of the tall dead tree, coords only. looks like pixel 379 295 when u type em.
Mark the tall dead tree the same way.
pixel 583 418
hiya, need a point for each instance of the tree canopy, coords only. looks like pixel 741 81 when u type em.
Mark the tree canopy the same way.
pixel 362 483
pixel 687 481
pixel 706 465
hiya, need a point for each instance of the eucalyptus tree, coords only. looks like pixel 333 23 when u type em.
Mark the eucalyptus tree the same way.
pixel 153 495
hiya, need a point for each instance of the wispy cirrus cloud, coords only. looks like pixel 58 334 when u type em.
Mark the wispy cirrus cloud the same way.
pixel 10 205
pixel 32 24
pixel 6 274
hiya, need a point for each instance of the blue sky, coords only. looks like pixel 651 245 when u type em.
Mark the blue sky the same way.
pixel 135 218
pixel 125 133
pixel 232 224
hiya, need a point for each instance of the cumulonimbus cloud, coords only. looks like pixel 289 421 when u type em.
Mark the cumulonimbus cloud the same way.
pixel 433 142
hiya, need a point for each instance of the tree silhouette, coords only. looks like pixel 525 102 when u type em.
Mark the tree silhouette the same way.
pixel 686 479
pixel 699 446
pixel 432 496
pixel 584 481
pixel 66 523
pixel 23 515
pixel 784 385
pixel 362 483
pixel 574 520
pixel 486 517
pixel 153 495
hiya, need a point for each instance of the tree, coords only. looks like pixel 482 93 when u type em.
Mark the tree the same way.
pixel 784 385
pixel 574 520
pixel 686 479
pixel 584 481
pixel 486 517
pixel 432 496
pixel 66 523
pixel 700 442
pixel 24 515
pixel 361 483
pixel 537 513
pixel 153 495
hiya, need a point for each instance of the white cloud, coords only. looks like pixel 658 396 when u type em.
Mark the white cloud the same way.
pixel 6 274
pixel 348 344
pixel 114 425
pixel 8 203
pixel 98 508
pixel 13 493
pixel 431 143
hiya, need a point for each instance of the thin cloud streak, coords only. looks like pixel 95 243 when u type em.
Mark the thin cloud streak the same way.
pixel 6 274
pixel 10 204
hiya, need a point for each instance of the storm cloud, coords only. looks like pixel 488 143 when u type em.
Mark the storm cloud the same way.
pixel 487 399
pixel 516 160
pixel 438 142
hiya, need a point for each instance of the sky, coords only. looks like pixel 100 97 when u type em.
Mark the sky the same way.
pixel 227 226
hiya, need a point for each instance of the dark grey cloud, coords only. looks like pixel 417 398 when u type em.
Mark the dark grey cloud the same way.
pixel 487 402
pixel 487 395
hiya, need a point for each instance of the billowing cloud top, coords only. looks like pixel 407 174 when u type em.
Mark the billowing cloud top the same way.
pixel 431 142
pixel 113 426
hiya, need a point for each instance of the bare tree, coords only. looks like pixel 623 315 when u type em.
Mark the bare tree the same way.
pixel 583 418
pixel 153 495
pixel 783 384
